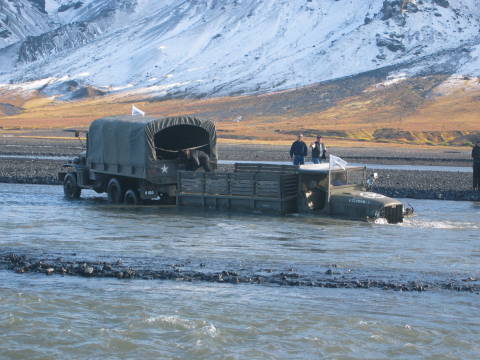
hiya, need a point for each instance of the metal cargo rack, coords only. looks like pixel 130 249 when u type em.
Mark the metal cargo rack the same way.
pixel 265 167
pixel 268 192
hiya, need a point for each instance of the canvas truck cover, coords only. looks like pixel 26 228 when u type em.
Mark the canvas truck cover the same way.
pixel 137 140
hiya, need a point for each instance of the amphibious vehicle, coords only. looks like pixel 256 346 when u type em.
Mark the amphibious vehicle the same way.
pixel 135 159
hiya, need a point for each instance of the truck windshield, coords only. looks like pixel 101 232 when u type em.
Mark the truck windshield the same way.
pixel 348 177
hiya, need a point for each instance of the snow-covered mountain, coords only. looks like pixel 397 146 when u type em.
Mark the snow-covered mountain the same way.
pixel 19 19
pixel 224 47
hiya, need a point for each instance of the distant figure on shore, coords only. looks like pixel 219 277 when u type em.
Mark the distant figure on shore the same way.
pixel 476 165
pixel 319 151
pixel 298 151
pixel 194 159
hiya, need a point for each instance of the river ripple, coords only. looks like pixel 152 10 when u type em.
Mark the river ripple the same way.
pixel 62 316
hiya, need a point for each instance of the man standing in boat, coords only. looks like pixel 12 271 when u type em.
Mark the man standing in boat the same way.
pixel 298 151
pixel 318 150
pixel 476 165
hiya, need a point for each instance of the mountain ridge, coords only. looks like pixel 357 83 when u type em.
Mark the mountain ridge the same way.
pixel 213 48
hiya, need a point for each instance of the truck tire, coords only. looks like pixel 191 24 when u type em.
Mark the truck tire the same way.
pixel 114 191
pixel 70 188
pixel 131 197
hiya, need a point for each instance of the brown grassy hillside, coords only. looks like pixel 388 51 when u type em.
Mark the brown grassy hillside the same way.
pixel 428 110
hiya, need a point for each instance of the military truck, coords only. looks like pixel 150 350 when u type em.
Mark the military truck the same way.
pixel 136 158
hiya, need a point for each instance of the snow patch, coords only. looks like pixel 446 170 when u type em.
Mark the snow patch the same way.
pixel 457 82
pixel 392 79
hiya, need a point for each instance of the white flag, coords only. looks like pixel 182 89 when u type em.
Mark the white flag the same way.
pixel 336 162
pixel 137 111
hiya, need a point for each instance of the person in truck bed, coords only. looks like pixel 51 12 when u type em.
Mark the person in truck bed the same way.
pixel 318 150
pixel 195 159
pixel 476 165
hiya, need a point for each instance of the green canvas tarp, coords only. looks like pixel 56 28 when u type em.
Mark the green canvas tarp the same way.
pixel 136 140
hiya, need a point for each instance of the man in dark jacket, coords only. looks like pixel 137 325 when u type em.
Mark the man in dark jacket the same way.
pixel 298 151
pixel 476 165
pixel 195 159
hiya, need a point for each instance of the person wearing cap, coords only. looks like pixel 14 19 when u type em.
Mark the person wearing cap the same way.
pixel 476 165
pixel 318 150
pixel 298 151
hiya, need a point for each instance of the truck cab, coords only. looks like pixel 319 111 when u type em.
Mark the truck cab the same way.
pixel 343 193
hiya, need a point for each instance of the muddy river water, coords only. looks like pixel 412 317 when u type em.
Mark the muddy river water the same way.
pixel 306 305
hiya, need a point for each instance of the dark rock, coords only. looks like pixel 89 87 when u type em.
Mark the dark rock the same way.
pixel 66 37
pixel 74 5
pixel 390 8
pixel 390 44
pixel 233 277
pixel 442 3
pixel 4 34
pixel 39 4
pixel 129 273
pixel 86 92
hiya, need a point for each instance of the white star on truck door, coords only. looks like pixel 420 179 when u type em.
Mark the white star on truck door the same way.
pixel 164 169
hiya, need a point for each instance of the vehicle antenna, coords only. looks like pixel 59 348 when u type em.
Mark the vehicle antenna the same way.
pixel 76 133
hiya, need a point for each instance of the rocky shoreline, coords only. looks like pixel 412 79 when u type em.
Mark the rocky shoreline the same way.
pixel 29 171
pixel 445 185
pixel 333 277
pixel 433 185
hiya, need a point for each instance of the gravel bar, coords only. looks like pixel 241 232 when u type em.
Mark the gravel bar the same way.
pixel 394 183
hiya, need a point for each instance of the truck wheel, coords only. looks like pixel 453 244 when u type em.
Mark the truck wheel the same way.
pixel 114 191
pixel 70 187
pixel 131 197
